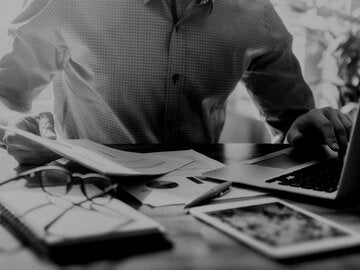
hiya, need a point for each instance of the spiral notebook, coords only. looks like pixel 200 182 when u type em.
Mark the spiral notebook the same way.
pixel 90 227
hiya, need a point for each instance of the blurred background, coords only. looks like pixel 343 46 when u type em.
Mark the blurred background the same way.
pixel 326 43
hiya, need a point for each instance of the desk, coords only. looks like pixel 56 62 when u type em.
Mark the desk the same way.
pixel 195 245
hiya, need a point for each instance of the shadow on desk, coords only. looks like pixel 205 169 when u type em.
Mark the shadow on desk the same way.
pixel 338 254
pixel 111 251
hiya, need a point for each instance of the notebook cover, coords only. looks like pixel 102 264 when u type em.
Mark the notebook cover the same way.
pixel 88 228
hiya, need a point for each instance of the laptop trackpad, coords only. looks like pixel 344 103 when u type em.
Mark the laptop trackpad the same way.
pixel 258 170
pixel 283 161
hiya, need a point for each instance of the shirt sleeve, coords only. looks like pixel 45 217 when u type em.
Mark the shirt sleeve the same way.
pixel 33 53
pixel 274 78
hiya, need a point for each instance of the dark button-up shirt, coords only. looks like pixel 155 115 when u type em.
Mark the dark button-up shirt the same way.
pixel 128 71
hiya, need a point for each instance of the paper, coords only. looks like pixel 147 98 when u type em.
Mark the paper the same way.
pixel 106 160
pixel 178 190
pixel 180 187
pixel 200 163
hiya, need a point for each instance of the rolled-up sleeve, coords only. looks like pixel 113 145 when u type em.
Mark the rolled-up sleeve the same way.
pixel 274 78
pixel 32 54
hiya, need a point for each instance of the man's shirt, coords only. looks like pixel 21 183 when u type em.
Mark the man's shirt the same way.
pixel 129 71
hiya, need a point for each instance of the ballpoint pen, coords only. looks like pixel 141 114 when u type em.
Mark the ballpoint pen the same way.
pixel 210 194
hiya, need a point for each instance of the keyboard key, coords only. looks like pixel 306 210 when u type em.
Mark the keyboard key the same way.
pixel 322 176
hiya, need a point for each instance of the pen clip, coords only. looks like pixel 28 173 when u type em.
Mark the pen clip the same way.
pixel 226 191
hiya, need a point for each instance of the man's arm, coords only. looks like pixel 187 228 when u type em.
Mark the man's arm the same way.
pixel 273 75
pixel 5 116
pixel 276 84
pixel 32 55
pixel 275 80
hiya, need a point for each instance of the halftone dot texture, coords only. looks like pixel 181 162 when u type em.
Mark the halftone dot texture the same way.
pixel 125 72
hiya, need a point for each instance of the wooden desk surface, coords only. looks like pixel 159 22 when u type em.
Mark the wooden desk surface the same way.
pixel 195 245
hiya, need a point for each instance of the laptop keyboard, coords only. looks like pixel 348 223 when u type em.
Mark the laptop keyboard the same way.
pixel 323 176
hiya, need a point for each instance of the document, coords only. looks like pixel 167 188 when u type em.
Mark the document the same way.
pixel 177 187
pixel 106 160
pixel 180 186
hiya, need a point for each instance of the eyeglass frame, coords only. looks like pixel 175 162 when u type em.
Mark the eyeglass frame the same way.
pixel 111 188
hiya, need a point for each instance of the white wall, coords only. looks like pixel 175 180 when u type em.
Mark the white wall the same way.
pixel 9 9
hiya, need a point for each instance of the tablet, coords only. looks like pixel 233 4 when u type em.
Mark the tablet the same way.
pixel 276 228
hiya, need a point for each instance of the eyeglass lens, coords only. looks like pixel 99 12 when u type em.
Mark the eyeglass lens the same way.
pixel 59 182
pixel 56 182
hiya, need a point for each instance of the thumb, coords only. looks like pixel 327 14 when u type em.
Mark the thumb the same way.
pixel 294 136
pixel 46 125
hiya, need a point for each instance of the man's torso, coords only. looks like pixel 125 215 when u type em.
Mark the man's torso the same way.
pixel 146 79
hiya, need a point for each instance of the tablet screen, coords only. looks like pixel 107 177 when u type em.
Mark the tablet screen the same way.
pixel 277 228
pixel 276 225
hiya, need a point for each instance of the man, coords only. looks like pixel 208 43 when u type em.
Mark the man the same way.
pixel 156 71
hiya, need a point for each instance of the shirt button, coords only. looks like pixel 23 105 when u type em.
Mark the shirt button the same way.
pixel 169 125
pixel 175 78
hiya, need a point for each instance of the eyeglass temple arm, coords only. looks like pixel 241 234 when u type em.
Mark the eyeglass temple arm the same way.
pixel 102 193
pixel 20 175
pixel 28 172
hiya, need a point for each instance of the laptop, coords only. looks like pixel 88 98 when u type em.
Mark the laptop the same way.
pixel 323 175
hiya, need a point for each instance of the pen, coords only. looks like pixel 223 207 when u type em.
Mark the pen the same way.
pixel 210 194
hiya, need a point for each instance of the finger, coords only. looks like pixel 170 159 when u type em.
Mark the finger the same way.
pixel 18 154
pixel 16 141
pixel 326 128
pixel 339 128
pixel 46 125
pixel 294 136
pixel 347 122
pixel 27 123
pixel 41 124
pixel 12 140
pixel 25 156
pixel 320 123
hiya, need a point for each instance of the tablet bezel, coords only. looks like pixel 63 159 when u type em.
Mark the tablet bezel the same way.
pixel 351 238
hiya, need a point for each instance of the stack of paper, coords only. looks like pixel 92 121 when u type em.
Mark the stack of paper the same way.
pixel 120 163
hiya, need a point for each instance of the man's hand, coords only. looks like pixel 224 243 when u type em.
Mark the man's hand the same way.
pixel 318 126
pixel 26 151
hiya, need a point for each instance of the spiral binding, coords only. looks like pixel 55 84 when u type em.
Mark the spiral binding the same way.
pixel 20 229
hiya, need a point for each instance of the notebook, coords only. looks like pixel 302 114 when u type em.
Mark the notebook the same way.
pixel 323 175
pixel 109 224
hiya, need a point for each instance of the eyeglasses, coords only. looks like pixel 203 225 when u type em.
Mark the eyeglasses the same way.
pixel 57 181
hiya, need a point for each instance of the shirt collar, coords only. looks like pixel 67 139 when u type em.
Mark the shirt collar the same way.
pixel 198 2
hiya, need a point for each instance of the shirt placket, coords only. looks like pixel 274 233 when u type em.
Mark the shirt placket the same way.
pixel 175 79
